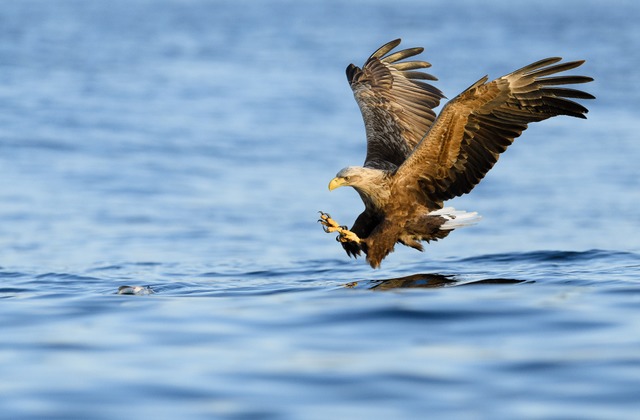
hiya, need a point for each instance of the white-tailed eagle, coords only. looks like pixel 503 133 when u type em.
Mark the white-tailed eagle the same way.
pixel 416 161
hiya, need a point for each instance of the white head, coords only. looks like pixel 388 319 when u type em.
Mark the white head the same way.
pixel 370 183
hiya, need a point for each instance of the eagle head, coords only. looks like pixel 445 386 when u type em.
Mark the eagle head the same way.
pixel 351 176
pixel 369 182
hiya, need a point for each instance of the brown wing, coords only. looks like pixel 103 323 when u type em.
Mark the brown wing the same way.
pixel 479 124
pixel 396 105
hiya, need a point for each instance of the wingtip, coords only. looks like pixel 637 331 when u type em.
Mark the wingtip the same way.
pixel 351 71
pixel 380 52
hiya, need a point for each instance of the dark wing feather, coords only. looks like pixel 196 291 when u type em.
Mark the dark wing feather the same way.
pixel 396 105
pixel 479 124
pixel 363 226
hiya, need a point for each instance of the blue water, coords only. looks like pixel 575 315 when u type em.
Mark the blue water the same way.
pixel 186 146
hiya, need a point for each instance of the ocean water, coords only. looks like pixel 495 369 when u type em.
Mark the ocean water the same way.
pixel 185 147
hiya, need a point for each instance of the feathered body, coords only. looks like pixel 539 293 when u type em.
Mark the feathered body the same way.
pixel 415 161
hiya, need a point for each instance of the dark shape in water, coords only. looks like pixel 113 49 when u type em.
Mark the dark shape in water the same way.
pixel 135 290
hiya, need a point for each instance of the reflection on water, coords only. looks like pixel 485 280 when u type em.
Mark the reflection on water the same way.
pixel 425 281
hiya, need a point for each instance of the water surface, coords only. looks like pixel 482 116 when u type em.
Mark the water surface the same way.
pixel 186 146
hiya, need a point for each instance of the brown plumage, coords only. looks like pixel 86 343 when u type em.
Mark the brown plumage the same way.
pixel 416 161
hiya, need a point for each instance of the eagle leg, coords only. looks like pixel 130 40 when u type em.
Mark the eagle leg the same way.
pixel 329 225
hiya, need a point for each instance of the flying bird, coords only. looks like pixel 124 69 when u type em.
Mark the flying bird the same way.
pixel 415 161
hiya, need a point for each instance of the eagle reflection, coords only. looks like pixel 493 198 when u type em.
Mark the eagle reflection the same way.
pixel 425 281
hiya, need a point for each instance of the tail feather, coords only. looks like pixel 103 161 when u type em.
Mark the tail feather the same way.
pixel 456 218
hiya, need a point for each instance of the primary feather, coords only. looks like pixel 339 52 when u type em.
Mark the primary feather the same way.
pixel 397 106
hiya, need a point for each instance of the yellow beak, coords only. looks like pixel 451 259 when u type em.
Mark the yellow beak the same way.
pixel 335 183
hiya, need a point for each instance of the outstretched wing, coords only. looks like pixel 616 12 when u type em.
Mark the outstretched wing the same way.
pixel 396 105
pixel 479 124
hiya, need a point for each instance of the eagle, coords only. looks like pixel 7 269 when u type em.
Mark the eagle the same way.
pixel 416 161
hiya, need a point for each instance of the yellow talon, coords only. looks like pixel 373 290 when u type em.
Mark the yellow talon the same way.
pixel 348 236
pixel 329 225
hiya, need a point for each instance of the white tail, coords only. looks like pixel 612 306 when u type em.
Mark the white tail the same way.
pixel 456 218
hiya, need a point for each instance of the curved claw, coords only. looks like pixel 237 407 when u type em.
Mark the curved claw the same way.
pixel 324 216
pixel 329 225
